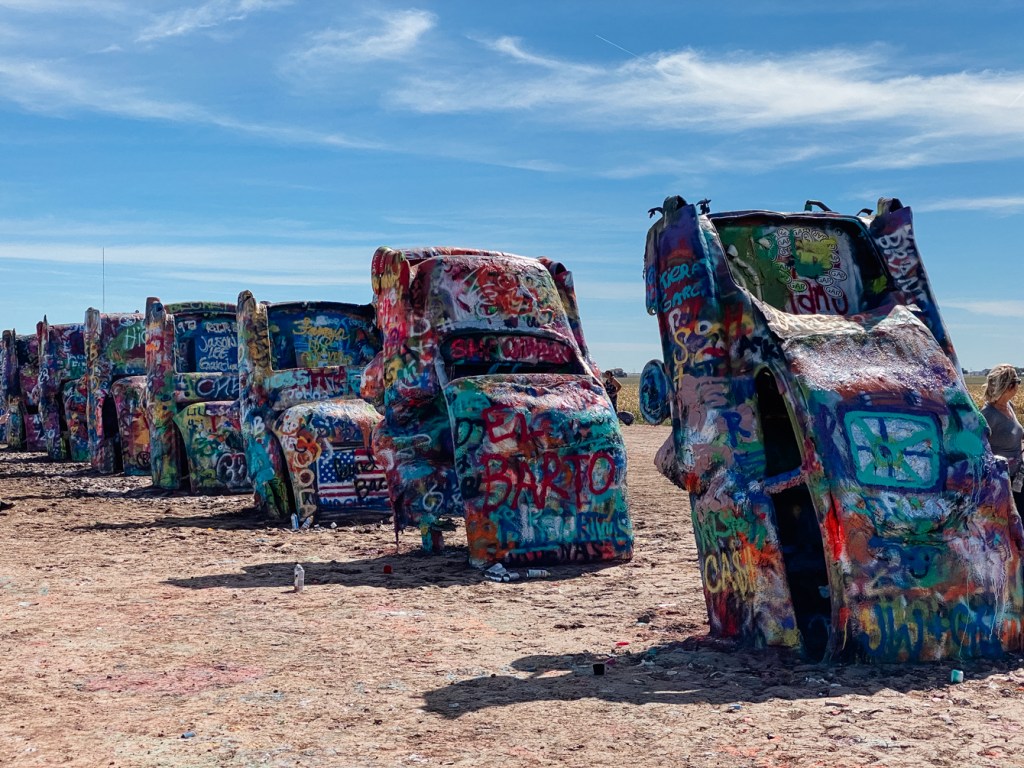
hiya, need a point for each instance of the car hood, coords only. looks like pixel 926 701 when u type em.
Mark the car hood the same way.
pixel 542 468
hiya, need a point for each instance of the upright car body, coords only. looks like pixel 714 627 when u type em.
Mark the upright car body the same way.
pixel 25 426
pixel 63 390
pixel 844 497
pixel 192 380
pixel 307 432
pixel 493 409
pixel 115 346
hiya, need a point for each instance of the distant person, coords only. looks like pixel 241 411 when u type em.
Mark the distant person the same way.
pixel 612 387
pixel 1005 432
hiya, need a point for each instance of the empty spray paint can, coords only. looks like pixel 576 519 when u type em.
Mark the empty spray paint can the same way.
pixel 537 573
pixel 300 577
pixel 956 676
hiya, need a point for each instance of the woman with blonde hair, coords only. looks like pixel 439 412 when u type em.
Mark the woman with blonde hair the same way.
pixel 1005 432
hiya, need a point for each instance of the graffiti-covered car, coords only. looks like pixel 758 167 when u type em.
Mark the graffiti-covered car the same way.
pixel 307 433
pixel 4 366
pixel 115 349
pixel 9 428
pixel 493 408
pixel 192 378
pixel 63 392
pixel 844 498
pixel 25 427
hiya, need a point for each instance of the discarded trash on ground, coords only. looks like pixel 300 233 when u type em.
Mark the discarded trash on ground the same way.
pixel 498 572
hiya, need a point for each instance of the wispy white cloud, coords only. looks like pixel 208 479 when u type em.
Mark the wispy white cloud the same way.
pixel 512 47
pixel 834 90
pixel 275 278
pixel 710 159
pixel 382 37
pixel 237 260
pixel 992 307
pixel 41 86
pixel 63 233
pixel 210 14
pixel 1003 205
pixel 760 107
pixel 66 7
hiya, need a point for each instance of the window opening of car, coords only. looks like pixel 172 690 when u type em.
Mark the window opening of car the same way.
pixel 185 467
pixel 805 266
pixel 781 450
pixel 205 344
pixel 112 431
pixel 800 538
pixel 479 354
pixel 125 348
pixel 307 336
pixel 23 351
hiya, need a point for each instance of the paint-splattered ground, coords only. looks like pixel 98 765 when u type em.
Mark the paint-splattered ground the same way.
pixel 144 630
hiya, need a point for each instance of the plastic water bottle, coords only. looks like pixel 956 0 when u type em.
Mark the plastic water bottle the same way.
pixel 300 577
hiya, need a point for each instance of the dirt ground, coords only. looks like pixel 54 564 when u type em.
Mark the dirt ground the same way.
pixel 140 629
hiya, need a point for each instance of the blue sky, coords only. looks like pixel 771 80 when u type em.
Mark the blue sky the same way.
pixel 208 147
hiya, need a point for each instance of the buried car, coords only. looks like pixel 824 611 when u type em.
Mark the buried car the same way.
pixel 63 391
pixel 24 425
pixel 192 380
pixel 115 348
pixel 493 408
pixel 844 497
pixel 4 412
pixel 307 433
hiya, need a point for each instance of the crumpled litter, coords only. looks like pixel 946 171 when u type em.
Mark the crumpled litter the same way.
pixel 498 572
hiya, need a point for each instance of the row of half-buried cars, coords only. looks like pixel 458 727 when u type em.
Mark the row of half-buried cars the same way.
pixel 844 497
pixel 465 388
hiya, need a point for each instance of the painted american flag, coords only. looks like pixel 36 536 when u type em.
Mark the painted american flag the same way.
pixel 347 476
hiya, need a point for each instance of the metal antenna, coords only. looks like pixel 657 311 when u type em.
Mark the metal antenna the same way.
pixel 103 274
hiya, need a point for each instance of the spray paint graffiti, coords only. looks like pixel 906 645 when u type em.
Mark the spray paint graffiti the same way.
pixel 4 386
pixel 192 381
pixel 63 396
pixel 306 431
pixel 24 423
pixel 844 498
pixel 493 408
pixel 115 349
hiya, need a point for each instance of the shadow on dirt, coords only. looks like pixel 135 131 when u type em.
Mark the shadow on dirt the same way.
pixel 245 519
pixel 34 497
pixel 24 457
pixel 147 492
pixel 691 672
pixel 408 569
pixel 22 474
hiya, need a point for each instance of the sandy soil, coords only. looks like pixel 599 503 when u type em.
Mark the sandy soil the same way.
pixel 140 629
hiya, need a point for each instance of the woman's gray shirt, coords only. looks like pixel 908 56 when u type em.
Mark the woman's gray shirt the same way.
pixel 1004 434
